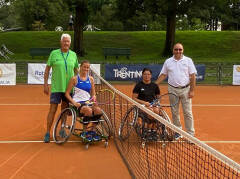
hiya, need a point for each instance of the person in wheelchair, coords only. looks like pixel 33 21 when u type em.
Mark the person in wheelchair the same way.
pixel 83 93
pixel 144 93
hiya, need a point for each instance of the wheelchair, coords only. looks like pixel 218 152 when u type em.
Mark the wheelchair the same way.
pixel 66 126
pixel 135 120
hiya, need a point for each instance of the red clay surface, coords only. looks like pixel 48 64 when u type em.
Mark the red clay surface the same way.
pixel 23 110
pixel 216 111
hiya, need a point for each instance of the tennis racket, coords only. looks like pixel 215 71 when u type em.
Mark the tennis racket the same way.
pixel 104 96
pixel 166 100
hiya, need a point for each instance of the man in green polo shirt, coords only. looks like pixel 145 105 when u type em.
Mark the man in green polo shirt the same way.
pixel 64 64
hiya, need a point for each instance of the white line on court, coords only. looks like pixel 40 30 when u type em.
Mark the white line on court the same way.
pixel 24 104
pixel 33 141
pixel 40 141
pixel 215 105
pixel 198 105
pixel 222 142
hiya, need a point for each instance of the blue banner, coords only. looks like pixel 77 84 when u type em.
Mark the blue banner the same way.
pixel 133 72
pixel 200 72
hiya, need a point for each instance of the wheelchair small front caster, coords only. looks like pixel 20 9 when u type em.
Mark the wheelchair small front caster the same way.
pixel 106 144
pixel 86 146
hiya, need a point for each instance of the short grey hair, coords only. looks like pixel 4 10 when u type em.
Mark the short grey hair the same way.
pixel 65 36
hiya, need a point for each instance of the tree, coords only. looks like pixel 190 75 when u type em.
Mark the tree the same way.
pixel 171 27
pixel 50 12
pixel 80 8
pixel 183 7
pixel 128 11
pixel 80 19
pixel 7 14
pixel 231 19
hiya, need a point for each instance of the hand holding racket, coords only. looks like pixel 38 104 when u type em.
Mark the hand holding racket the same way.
pixel 166 100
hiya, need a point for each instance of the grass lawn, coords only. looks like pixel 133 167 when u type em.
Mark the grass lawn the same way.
pixel 146 47
pixel 204 47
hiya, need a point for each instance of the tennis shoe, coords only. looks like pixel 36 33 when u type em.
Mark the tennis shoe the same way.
pixel 83 135
pixel 154 135
pixel 89 138
pixel 47 138
pixel 177 136
pixel 144 133
pixel 94 135
pixel 62 133
pixel 96 138
pixel 86 136
pixel 90 133
pixel 149 136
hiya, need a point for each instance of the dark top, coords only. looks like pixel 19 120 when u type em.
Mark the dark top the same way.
pixel 146 92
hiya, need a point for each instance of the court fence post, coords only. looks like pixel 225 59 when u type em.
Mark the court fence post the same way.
pixel 220 73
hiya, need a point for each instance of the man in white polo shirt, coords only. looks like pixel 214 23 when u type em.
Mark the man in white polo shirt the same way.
pixel 181 72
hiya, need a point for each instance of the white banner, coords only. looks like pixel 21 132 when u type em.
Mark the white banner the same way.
pixel 236 75
pixel 97 69
pixel 36 73
pixel 7 74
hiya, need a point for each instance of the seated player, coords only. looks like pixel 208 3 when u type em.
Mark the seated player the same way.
pixel 84 90
pixel 144 93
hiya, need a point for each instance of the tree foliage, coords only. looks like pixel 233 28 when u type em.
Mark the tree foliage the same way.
pixel 129 15
pixel 50 12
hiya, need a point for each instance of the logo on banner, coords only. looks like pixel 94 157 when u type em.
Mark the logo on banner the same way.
pixel 238 68
pixel 1 72
pixel 133 72
pixel 124 73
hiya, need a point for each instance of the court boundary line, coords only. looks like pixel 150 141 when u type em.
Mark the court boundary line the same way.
pixel 73 141
pixel 32 141
pixel 197 105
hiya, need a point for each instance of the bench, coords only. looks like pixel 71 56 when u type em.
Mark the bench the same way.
pixel 41 51
pixel 109 51
pixel 4 52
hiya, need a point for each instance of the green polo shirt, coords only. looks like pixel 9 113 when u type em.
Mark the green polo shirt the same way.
pixel 61 72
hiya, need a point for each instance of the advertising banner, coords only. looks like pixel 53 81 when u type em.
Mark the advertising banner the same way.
pixel 7 74
pixel 201 69
pixel 133 72
pixel 97 69
pixel 236 75
pixel 36 73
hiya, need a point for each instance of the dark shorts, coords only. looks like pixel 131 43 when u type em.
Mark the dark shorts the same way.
pixel 58 97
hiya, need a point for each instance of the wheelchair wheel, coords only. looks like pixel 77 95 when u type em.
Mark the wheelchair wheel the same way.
pixel 140 126
pixel 64 125
pixel 166 133
pixel 104 128
pixel 128 123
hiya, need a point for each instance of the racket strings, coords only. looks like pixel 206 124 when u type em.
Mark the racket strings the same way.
pixel 168 100
pixel 105 96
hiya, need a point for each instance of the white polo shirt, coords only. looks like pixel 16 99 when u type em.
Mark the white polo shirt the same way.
pixel 178 71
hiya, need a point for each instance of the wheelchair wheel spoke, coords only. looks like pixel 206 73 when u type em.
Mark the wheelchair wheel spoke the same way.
pixel 128 123
pixel 64 125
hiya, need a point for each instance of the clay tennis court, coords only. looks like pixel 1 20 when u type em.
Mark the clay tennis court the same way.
pixel 23 110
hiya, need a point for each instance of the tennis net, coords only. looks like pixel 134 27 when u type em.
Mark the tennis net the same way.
pixel 162 158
